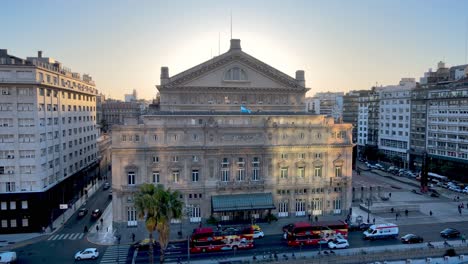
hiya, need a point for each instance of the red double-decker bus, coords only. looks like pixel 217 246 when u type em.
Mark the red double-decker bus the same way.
pixel 205 239
pixel 304 233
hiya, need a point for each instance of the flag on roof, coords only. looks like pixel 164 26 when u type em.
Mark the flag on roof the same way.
pixel 245 110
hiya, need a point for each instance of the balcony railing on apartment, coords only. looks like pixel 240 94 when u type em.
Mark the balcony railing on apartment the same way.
pixel 239 185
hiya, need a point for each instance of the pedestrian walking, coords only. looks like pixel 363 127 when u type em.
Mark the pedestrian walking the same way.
pixel 373 221
pixel 459 210
pixel 309 217
pixel 390 195
pixel 396 216
pixel 463 239
pixel 97 228
pixel 430 213
pixel 316 218
pixel 392 210
pixel 406 212
pixel 133 237
pixel 85 229
pixel 102 221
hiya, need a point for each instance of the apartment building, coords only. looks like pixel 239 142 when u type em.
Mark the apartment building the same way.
pixel 328 103
pixel 232 136
pixel 394 122
pixel 47 140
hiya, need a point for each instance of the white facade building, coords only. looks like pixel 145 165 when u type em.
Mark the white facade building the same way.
pixel 394 120
pixel 47 137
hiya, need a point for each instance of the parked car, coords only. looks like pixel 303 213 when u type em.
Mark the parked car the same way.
pixel 338 243
pixel 89 253
pixel 449 232
pixel 144 244
pixel 8 257
pixel 96 213
pixel 411 238
pixel 258 234
pixel 379 167
pixel 82 212
pixel 106 186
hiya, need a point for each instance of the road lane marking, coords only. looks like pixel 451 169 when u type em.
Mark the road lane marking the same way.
pixel 80 236
pixel 51 237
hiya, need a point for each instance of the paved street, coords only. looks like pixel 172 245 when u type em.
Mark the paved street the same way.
pixel 62 246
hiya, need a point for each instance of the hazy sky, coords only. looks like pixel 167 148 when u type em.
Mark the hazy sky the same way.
pixel 341 45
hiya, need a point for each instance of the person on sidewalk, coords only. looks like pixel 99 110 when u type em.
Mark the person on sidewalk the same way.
pixel 133 237
pixel 463 239
pixel 373 221
pixel 406 212
pixel 316 218
pixel 97 228
pixel 430 213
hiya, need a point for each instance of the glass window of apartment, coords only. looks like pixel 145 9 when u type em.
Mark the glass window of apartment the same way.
pixel 338 171
pixel 195 158
pixel 155 159
pixel 131 178
pixel 25 222
pixel 175 158
pixel 155 177
pixel 3 205
pixel 284 172
pixel 195 175
pixel 175 176
pixel 12 222
pixel 12 205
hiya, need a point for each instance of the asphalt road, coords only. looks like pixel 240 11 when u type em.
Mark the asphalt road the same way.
pixel 62 246
pixel 430 232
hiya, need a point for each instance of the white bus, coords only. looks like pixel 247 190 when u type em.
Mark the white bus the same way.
pixel 436 177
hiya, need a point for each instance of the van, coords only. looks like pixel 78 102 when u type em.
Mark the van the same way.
pixel 381 231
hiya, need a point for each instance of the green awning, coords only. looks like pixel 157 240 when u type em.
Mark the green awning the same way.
pixel 242 202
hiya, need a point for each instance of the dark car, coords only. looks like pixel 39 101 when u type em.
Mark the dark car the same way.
pixel 96 213
pixel 359 226
pixel 450 232
pixel 287 227
pixel 411 238
pixel 82 212
pixel 145 244
pixel 106 186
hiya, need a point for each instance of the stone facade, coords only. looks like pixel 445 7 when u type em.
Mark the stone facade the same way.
pixel 202 145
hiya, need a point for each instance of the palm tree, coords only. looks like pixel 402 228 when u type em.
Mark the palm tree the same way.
pixel 158 207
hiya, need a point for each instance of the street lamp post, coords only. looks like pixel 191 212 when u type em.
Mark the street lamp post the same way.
pixel 368 209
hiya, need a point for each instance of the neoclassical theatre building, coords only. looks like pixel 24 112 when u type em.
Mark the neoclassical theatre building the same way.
pixel 232 164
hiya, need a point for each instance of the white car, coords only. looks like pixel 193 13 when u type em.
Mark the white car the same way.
pixel 258 234
pixel 89 253
pixel 338 243
pixel 8 257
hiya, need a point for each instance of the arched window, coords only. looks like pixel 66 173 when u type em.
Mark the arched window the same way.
pixel 235 74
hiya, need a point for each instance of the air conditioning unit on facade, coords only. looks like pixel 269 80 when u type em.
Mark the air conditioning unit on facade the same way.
pixel 10 172
pixel 10 156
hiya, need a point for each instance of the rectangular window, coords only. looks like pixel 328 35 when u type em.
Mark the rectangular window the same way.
pixel 284 173
pixel 131 178
pixel 155 159
pixel 25 222
pixel 318 171
pixel 155 176
pixel 175 158
pixel 3 205
pixel 255 174
pixel 131 216
pixel 195 175
pixel 175 176
pixel 338 171
pixel 12 205
pixel 224 175
pixel 240 174
pixel 301 172
pixel 12 222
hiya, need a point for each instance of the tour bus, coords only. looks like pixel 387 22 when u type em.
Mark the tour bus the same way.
pixel 205 239
pixel 304 233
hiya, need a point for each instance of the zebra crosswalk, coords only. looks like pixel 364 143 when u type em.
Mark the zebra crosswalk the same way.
pixel 115 254
pixel 69 236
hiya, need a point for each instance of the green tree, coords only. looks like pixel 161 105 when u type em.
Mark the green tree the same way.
pixel 158 206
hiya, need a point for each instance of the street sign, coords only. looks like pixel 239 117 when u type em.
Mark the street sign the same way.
pixel 63 206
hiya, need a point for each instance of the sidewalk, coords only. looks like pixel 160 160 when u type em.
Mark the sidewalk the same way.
pixel 106 234
pixel 11 241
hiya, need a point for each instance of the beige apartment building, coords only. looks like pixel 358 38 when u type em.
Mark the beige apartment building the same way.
pixel 229 163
